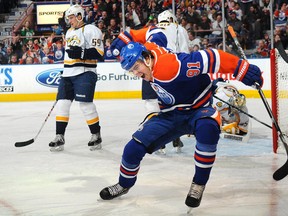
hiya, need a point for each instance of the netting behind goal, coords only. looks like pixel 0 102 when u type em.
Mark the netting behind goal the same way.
pixel 279 94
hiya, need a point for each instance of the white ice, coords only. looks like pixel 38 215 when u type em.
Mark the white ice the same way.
pixel 37 182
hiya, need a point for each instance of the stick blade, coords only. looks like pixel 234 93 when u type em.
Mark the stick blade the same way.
pixel 281 173
pixel 25 143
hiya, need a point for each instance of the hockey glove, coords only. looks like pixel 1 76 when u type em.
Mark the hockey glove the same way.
pixel 76 52
pixel 121 41
pixel 247 73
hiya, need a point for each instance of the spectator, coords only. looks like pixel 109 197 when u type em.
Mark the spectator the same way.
pixel 193 41
pixel 186 25
pixel 13 60
pixel 58 52
pixel 113 29
pixel 89 18
pixel 234 22
pixel 103 29
pixel 136 15
pixel 252 20
pixel 192 16
pixel 29 60
pixel 216 36
pixel 245 5
pixel 46 55
pixel 153 8
pixel 262 50
pixel 205 26
pixel 27 31
pixel 280 16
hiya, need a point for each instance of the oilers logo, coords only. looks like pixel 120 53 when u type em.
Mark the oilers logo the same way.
pixel 166 97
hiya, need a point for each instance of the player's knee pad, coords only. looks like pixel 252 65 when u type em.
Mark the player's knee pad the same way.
pixel 88 109
pixel 133 152
pixel 207 131
pixel 63 107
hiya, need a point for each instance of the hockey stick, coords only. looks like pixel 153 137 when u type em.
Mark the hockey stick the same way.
pixel 282 172
pixel 242 111
pixel 28 142
pixel 281 51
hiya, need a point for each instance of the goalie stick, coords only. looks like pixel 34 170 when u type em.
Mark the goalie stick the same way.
pixel 282 172
pixel 281 51
pixel 28 142
pixel 242 111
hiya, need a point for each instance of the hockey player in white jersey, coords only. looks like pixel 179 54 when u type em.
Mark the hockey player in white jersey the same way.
pixel 83 47
pixel 178 39
pixel 233 121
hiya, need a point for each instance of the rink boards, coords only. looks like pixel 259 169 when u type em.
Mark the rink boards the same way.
pixel 39 82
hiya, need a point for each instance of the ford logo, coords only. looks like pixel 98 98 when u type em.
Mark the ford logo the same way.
pixel 50 78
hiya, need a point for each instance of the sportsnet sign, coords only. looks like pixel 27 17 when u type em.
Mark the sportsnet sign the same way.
pixel 48 14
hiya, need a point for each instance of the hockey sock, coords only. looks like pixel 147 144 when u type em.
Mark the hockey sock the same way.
pixel 130 164
pixel 62 116
pixel 91 116
pixel 205 150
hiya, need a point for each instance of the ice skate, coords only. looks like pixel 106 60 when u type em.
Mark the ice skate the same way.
pixel 161 151
pixel 177 144
pixel 57 144
pixel 194 196
pixel 113 191
pixel 95 142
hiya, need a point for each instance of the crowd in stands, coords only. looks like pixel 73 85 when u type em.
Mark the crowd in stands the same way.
pixel 202 19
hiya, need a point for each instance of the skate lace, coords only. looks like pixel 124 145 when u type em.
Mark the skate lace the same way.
pixel 58 137
pixel 94 137
pixel 115 189
pixel 196 191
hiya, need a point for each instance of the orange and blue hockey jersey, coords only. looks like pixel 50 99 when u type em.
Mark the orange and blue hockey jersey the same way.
pixel 182 80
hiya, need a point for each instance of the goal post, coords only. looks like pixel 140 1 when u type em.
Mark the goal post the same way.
pixel 279 94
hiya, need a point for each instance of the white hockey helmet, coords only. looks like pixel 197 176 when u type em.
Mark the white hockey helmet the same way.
pixel 74 10
pixel 167 15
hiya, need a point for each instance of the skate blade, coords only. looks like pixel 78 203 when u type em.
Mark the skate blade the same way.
pixel 57 148
pixel 190 211
pixel 178 150
pixel 96 147
pixel 161 152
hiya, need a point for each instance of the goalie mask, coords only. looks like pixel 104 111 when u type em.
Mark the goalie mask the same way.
pixel 238 100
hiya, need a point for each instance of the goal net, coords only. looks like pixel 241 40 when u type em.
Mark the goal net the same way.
pixel 279 94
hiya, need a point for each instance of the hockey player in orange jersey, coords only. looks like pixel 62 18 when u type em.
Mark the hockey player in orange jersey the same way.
pixel 184 89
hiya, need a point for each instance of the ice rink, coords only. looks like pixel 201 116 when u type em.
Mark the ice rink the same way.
pixel 37 182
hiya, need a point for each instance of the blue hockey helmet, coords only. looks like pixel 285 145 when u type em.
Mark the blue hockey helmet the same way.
pixel 130 54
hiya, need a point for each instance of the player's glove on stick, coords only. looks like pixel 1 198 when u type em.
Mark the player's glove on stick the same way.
pixel 248 73
pixel 121 41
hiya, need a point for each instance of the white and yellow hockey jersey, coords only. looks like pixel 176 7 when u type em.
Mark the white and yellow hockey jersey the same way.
pixel 177 36
pixel 88 36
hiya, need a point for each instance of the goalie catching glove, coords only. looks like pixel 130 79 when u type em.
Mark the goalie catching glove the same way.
pixel 121 41
pixel 76 52
pixel 247 73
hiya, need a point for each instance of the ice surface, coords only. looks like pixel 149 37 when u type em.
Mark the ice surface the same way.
pixel 37 182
